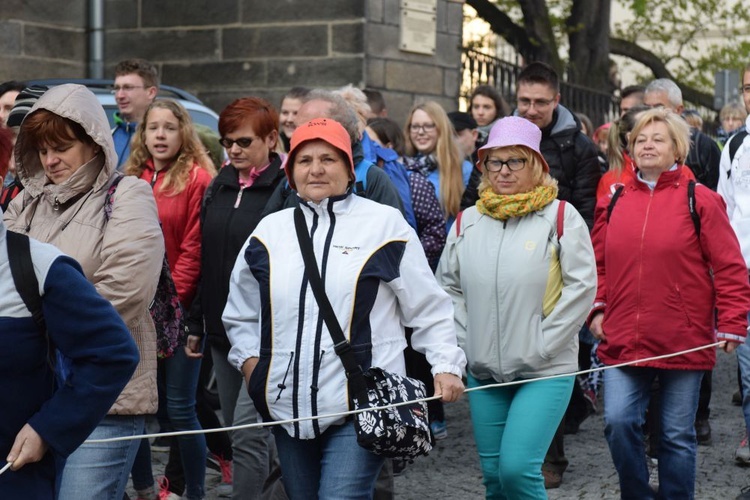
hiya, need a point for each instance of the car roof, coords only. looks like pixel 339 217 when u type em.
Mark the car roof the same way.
pixel 104 86
pixel 102 89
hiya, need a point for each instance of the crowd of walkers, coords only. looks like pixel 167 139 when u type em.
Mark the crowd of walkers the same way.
pixel 504 248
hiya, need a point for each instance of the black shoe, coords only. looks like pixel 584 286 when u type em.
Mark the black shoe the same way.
pixel 737 398
pixel 703 431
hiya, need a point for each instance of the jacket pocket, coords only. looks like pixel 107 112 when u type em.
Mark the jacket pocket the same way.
pixel 682 305
pixel 541 341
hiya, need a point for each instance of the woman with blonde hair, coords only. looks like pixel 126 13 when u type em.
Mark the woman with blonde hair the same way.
pixel 666 284
pixel 432 151
pixel 167 153
pixel 519 267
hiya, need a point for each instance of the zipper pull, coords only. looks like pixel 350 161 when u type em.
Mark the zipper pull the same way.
pixel 239 198
pixel 153 179
pixel 56 205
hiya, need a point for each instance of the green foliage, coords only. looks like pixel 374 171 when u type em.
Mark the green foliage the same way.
pixel 694 38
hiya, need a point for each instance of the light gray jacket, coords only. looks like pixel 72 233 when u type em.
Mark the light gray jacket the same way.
pixel 520 295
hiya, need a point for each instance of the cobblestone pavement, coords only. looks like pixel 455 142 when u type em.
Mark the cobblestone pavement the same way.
pixel 451 471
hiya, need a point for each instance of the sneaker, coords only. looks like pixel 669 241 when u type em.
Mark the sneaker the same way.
pixel 219 464
pixel 161 444
pixel 552 479
pixel 439 430
pixel 742 454
pixel 744 494
pixel 164 493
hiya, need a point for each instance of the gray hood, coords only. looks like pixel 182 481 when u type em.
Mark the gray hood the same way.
pixel 565 121
pixel 80 105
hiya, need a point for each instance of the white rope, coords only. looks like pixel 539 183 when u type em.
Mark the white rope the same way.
pixel 355 412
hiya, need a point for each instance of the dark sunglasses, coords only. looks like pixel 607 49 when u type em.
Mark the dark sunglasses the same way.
pixel 243 142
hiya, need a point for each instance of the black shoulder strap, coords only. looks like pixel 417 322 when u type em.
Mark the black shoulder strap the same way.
pixel 691 206
pixel 340 344
pixel 24 278
pixel 734 144
pixel 612 202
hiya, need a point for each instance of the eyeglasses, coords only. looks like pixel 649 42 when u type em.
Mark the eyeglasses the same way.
pixel 426 127
pixel 243 142
pixel 537 103
pixel 126 88
pixel 513 164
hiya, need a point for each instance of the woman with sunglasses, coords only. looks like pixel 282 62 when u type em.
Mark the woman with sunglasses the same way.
pixel 231 209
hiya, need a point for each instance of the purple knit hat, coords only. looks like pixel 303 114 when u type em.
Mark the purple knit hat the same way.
pixel 513 131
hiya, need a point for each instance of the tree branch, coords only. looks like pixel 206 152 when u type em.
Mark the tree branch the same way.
pixel 637 53
pixel 504 26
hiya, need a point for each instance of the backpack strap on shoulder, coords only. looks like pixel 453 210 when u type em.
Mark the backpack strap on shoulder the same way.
pixel 560 219
pixel 24 278
pixel 612 202
pixel 734 144
pixel 110 199
pixel 691 206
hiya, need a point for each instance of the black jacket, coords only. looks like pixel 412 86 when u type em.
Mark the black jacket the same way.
pixel 225 228
pixel 572 159
pixel 704 158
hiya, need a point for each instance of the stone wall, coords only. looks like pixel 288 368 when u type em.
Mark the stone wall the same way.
pixel 224 49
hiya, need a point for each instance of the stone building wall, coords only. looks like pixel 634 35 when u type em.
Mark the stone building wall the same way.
pixel 224 49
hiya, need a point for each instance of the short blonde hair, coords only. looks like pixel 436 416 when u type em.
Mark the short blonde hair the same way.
pixel 538 175
pixel 733 110
pixel 679 130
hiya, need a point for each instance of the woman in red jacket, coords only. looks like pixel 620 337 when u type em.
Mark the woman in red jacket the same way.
pixel 661 276
pixel 167 153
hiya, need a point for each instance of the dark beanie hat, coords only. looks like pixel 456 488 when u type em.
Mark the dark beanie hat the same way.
pixel 462 121
pixel 24 101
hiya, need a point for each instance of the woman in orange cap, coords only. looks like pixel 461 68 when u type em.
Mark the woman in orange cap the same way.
pixel 378 281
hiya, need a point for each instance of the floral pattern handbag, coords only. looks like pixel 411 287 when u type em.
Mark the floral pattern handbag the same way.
pixel 400 432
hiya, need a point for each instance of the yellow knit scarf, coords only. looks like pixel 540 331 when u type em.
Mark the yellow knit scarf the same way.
pixel 505 206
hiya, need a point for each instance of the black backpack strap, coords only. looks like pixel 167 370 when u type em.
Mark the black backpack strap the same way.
pixel 24 278
pixel 734 144
pixel 612 202
pixel 691 206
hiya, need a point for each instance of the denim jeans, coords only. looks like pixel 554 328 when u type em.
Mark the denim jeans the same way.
pixel 513 428
pixel 100 471
pixel 743 359
pixel 332 466
pixel 626 397
pixel 179 375
pixel 249 446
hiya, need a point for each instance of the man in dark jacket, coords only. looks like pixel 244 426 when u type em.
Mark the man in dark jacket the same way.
pixel 569 152
pixel 705 155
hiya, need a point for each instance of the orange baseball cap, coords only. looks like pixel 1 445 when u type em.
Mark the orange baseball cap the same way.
pixel 323 129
